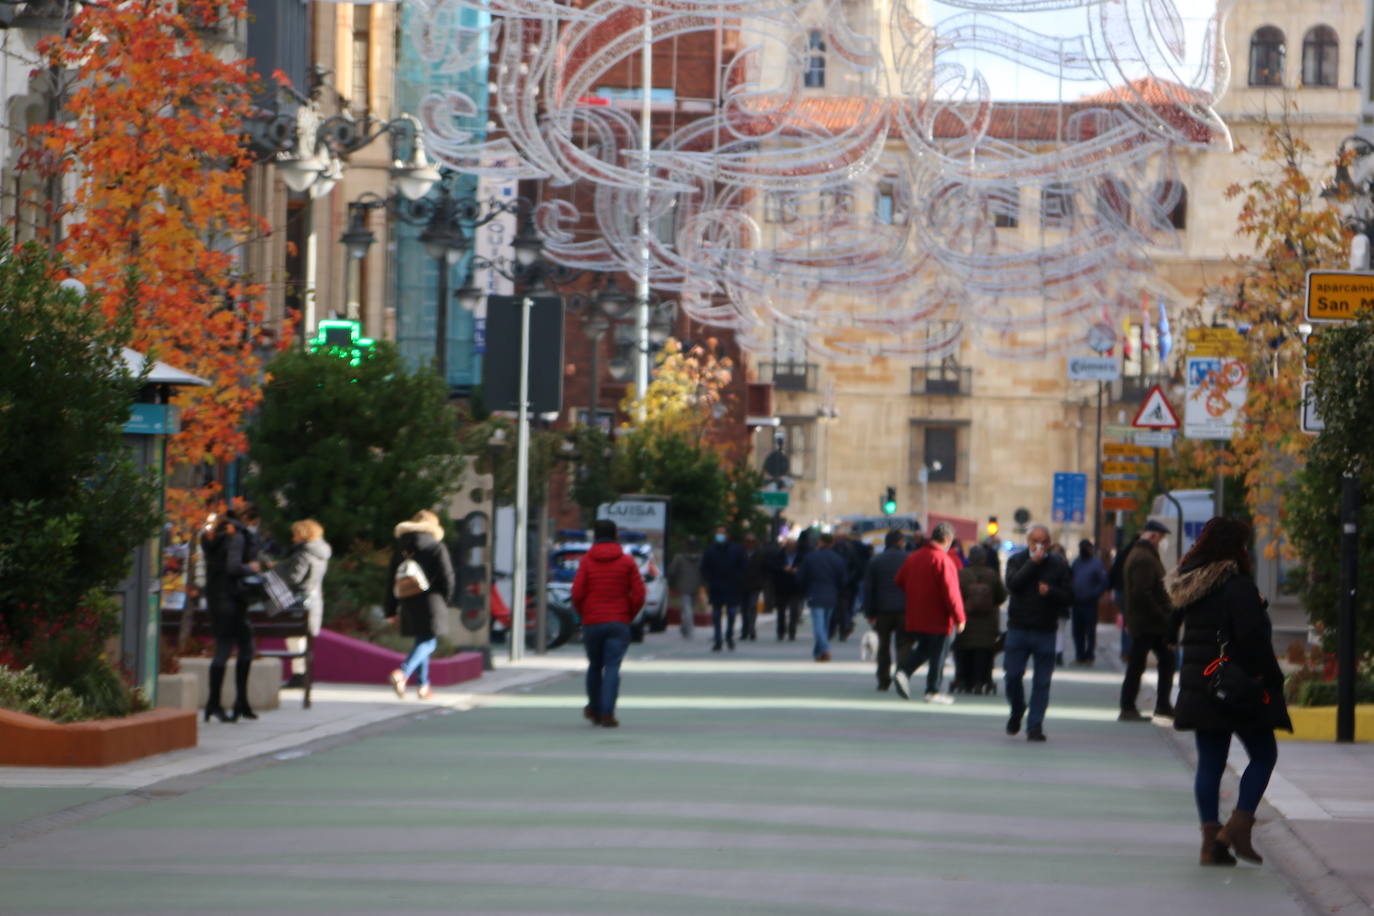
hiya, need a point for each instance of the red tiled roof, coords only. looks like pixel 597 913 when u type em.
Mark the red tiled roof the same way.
pixel 1012 121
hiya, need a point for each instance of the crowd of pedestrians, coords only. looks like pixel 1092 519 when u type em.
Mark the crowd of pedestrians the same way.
pixel 923 597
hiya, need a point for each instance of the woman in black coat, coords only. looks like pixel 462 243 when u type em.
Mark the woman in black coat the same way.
pixel 425 615
pixel 230 557
pixel 1216 602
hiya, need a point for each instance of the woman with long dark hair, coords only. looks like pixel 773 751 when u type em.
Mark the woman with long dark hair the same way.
pixel 1226 623
pixel 230 556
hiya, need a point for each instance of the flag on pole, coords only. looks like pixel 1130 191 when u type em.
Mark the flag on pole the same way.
pixel 1126 336
pixel 1144 322
pixel 1166 339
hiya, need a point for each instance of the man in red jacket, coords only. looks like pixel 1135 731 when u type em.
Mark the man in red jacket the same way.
pixel 934 612
pixel 607 592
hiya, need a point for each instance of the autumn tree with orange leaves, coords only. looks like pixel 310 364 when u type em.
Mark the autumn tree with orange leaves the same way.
pixel 150 143
pixel 1293 230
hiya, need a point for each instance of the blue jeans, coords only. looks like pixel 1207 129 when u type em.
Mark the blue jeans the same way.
pixel 730 611
pixel 820 625
pixel 1023 644
pixel 606 645
pixel 419 658
pixel 1212 749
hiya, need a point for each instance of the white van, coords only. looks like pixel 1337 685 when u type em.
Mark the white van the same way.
pixel 1197 510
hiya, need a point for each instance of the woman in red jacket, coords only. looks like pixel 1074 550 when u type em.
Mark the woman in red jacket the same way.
pixel 607 592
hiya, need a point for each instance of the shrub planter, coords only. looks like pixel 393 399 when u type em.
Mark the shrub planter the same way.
pixel 29 741
pixel 177 691
pixel 341 659
pixel 264 680
pixel 1318 723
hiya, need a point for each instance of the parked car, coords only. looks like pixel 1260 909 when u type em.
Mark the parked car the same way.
pixel 565 557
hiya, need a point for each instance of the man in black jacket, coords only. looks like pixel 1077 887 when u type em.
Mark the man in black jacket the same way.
pixel 885 604
pixel 1041 588
pixel 1148 620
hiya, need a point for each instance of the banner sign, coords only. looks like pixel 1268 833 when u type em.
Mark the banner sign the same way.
pixel 1217 383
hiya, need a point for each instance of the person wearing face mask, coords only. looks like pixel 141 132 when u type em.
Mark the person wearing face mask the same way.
pixel 1148 618
pixel 1040 587
pixel 724 567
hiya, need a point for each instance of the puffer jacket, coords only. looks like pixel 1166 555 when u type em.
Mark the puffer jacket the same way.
pixel 1028 609
pixel 931 582
pixel 1208 598
pixel 425 615
pixel 303 570
pixel 607 587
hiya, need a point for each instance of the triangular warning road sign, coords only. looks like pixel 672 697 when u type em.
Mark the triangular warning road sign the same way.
pixel 1155 412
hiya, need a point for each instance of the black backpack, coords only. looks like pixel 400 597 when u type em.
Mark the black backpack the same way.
pixel 1116 576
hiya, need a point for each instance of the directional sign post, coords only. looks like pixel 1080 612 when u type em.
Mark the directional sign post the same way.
pixel 1338 295
pixel 1311 422
pixel 1070 498
pixel 1155 412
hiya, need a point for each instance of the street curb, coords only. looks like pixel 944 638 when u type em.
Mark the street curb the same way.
pixel 180 785
pixel 1311 881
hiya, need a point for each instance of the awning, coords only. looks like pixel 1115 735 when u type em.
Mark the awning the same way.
pixel 161 373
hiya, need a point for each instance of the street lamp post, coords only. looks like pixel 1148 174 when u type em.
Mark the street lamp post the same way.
pixel 923 475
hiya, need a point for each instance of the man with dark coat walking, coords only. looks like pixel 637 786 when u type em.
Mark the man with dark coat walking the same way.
pixel 787 591
pixel 1039 584
pixel 885 604
pixel 1148 617
pixel 934 611
pixel 723 568
pixel 758 584
pixel 821 575
pixel 424 615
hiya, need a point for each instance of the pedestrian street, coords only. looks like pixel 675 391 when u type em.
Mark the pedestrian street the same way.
pixel 755 781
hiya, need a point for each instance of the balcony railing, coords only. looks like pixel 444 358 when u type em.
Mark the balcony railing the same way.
pixel 942 380
pixel 1133 388
pixel 789 376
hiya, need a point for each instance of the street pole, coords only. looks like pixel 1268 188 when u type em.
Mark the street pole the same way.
pixel 522 490
pixel 646 139
pixel 1345 652
pixel 596 381
pixel 441 322
pixel 1097 485
pixel 924 476
pixel 541 577
pixel 1219 487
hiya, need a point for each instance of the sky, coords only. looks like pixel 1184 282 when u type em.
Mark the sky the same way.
pixel 1010 81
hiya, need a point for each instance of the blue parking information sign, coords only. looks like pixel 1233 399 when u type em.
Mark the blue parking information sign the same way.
pixel 1070 498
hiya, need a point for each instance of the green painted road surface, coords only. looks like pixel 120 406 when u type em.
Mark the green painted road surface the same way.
pixel 756 782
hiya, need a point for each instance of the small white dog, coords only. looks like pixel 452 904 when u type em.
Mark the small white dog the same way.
pixel 868 646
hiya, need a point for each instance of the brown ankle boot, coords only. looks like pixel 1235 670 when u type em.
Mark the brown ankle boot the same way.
pixel 1214 851
pixel 1236 833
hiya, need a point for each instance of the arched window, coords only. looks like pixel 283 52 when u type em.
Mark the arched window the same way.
pixel 814 77
pixel 1359 60
pixel 1172 198
pixel 1320 51
pixel 1266 57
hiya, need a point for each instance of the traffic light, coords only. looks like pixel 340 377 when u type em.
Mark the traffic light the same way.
pixel 890 501
pixel 992 527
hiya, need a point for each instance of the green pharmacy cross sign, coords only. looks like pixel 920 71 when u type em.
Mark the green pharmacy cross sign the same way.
pixel 343 338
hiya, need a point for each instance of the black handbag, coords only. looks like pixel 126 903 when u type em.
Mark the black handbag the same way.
pixel 1230 684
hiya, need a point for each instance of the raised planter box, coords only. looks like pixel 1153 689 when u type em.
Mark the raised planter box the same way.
pixel 264 680
pixel 28 741
pixel 177 691
pixel 1318 723
pixel 341 659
